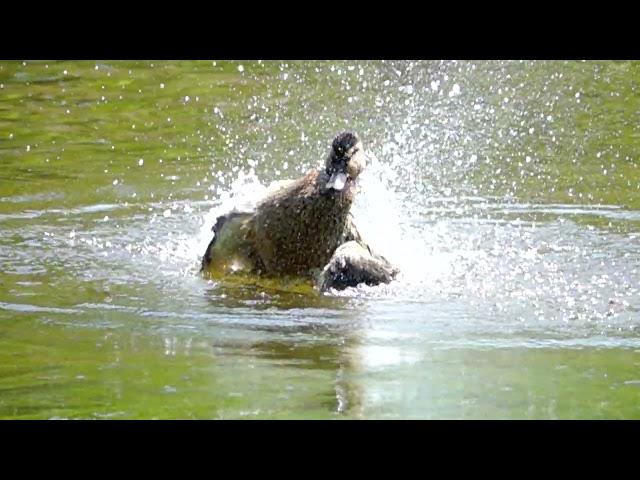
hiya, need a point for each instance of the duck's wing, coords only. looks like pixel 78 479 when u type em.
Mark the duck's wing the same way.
pixel 352 234
pixel 352 264
pixel 277 185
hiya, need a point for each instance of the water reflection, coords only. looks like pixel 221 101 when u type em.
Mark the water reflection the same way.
pixel 506 192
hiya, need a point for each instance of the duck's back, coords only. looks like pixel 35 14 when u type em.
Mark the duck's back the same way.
pixel 298 227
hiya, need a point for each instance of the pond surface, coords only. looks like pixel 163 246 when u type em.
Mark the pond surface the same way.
pixel 507 192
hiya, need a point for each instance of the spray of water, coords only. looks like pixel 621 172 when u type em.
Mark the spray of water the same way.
pixel 454 148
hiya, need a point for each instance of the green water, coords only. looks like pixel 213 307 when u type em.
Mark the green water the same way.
pixel 507 192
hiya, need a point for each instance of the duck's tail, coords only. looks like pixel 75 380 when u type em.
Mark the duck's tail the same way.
pixel 217 227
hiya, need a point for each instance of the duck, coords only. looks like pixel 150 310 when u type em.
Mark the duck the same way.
pixel 303 228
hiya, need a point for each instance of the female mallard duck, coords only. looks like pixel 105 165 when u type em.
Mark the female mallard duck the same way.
pixel 304 229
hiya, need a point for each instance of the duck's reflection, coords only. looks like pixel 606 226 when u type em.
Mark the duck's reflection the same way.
pixel 330 354
pixel 317 333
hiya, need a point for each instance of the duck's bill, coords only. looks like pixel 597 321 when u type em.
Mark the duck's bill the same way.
pixel 337 181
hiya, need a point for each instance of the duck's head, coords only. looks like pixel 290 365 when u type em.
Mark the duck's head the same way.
pixel 345 162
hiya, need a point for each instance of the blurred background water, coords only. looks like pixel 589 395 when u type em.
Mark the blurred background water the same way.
pixel 508 192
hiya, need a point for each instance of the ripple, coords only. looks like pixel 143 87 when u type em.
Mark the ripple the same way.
pixel 27 308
